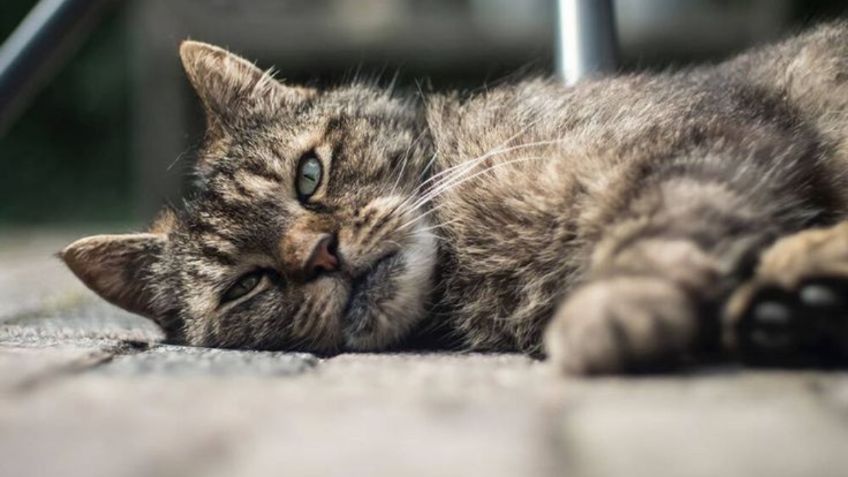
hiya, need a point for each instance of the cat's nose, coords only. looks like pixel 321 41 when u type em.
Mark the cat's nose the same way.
pixel 323 257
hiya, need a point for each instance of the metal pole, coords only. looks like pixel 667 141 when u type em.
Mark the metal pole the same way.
pixel 37 47
pixel 586 39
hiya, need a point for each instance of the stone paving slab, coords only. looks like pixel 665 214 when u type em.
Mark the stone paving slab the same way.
pixel 24 367
pixel 314 423
pixel 183 361
pixel 81 322
pixel 735 423
pixel 87 390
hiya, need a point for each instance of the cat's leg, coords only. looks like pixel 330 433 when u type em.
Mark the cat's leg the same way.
pixel 667 249
pixel 795 309
pixel 792 312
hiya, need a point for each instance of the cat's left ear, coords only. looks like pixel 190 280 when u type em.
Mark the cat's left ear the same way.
pixel 118 268
pixel 232 88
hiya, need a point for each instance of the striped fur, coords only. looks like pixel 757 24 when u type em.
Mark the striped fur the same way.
pixel 625 209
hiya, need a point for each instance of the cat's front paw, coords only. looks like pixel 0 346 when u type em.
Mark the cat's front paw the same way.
pixel 794 311
pixel 802 325
pixel 622 324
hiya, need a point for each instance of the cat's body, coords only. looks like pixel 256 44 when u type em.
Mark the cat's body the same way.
pixel 628 211
pixel 744 145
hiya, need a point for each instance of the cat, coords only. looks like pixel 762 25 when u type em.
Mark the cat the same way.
pixel 631 223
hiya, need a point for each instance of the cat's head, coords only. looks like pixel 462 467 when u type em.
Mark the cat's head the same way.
pixel 304 231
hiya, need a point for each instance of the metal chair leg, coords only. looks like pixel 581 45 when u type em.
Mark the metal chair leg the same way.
pixel 586 39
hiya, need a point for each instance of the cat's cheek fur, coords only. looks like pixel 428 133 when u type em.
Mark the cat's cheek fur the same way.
pixel 395 318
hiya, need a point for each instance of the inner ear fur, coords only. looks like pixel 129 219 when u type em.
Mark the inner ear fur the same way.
pixel 118 268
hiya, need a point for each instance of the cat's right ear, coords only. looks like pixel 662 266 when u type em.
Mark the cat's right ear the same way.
pixel 232 88
pixel 118 268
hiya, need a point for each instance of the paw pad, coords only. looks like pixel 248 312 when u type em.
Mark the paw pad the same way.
pixel 800 327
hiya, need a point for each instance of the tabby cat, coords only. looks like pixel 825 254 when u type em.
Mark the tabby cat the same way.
pixel 625 224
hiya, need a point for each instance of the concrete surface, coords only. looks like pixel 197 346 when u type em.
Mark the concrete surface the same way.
pixel 85 390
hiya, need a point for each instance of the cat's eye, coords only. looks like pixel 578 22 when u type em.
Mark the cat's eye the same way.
pixel 245 284
pixel 309 172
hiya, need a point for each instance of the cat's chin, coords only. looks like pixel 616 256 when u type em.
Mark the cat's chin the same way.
pixel 388 300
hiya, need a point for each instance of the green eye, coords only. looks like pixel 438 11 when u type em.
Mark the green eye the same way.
pixel 243 286
pixel 309 173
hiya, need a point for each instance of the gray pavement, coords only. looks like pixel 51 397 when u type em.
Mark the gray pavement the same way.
pixel 87 390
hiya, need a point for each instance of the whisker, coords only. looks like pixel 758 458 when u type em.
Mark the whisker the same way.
pixel 449 182
pixel 427 167
pixel 493 150
pixel 466 179
pixel 400 174
pixel 406 156
pixel 450 174
pixel 438 226
pixel 466 166
pixel 458 177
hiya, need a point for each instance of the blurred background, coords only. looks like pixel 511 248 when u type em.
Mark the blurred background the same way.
pixel 109 135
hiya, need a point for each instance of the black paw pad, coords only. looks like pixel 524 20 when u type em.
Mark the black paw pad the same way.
pixel 824 295
pixel 769 330
pixel 825 305
pixel 802 327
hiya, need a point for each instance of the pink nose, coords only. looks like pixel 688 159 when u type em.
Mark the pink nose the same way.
pixel 323 256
